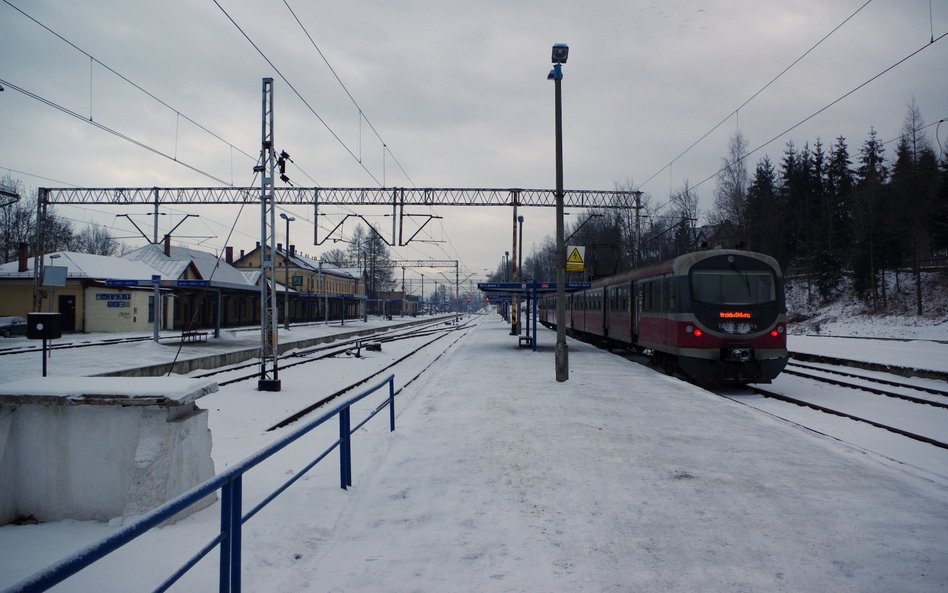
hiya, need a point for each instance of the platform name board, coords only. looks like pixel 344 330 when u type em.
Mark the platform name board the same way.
pixel 109 296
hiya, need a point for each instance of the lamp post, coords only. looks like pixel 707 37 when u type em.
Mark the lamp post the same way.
pixel 286 273
pixel 507 279
pixel 559 56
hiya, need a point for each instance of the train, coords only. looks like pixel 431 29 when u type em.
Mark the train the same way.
pixel 718 315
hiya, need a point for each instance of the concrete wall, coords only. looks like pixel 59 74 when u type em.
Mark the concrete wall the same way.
pixel 96 462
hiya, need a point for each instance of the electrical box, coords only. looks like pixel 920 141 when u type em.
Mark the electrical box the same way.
pixel 44 326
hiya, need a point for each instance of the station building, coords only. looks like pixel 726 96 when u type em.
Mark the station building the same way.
pixel 197 289
pixel 317 290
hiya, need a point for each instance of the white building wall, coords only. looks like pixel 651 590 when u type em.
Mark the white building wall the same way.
pixel 114 310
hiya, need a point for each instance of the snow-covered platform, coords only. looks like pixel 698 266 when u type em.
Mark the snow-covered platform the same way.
pixel 100 447
pixel 621 479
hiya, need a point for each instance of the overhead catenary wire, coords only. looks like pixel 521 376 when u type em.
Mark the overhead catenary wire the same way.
pixel 298 94
pixel 362 115
pixel 112 131
pixel 819 111
pixel 756 94
pixel 95 60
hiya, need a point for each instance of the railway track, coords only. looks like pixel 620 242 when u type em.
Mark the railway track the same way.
pixel 325 351
pixel 848 377
pixel 868 383
pixel 430 334
pixel 825 409
pixel 73 345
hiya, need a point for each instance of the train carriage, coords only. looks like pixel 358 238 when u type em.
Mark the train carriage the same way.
pixel 717 315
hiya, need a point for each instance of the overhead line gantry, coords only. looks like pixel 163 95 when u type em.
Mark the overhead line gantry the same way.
pixel 395 197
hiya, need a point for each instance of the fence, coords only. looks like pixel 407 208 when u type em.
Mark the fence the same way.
pixel 229 484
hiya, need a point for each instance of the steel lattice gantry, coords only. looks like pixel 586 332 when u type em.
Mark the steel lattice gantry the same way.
pixel 341 196
pixel 394 197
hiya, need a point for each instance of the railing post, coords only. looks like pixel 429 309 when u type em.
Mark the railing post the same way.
pixel 391 404
pixel 345 450
pixel 236 523
pixel 227 532
pixel 230 528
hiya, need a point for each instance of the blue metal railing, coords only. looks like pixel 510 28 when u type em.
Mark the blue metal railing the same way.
pixel 229 483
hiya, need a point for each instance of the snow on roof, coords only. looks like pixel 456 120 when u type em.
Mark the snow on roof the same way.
pixel 209 267
pixel 325 267
pixel 86 265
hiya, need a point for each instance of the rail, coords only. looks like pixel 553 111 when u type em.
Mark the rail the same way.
pixel 232 519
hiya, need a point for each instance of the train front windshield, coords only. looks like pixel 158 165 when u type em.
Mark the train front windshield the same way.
pixel 733 287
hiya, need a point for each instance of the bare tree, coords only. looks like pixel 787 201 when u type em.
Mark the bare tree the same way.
pixel 730 197
pixel 95 239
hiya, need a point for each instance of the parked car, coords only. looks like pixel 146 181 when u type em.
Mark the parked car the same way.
pixel 12 326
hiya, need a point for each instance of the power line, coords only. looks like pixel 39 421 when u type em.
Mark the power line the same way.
pixel 754 96
pixel 105 128
pixel 818 111
pixel 126 79
pixel 297 93
pixel 344 88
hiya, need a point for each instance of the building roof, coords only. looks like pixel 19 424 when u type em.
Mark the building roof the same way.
pixel 85 266
pixel 208 266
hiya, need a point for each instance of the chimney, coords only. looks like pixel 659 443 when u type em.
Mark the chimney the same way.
pixel 168 245
pixel 229 254
pixel 279 247
pixel 293 250
pixel 258 244
pixel 23 256
pixel 241 254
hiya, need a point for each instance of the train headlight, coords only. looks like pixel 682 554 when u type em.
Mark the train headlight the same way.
pixel 777 331
pixel 690 329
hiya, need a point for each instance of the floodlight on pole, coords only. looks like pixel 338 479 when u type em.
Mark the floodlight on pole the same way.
pixel 560 54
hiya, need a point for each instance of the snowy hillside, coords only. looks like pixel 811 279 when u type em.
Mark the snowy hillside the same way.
pixel 847 315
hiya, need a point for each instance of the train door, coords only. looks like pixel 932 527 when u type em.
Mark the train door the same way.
pixel 635 304
pixel 668 323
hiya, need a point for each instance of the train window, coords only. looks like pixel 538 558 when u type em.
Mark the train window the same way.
pixel 649 294
pixel 733 286
pixel 669 294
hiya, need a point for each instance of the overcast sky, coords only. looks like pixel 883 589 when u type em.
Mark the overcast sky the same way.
pixel 457 91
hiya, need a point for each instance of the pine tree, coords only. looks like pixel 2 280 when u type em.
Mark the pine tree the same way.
pixel 870 186
pixel 839 196
pixel 764 226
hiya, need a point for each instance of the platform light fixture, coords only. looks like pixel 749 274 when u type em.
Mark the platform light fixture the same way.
pixel 560 54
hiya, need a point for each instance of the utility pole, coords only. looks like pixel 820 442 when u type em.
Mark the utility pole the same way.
pixel 269 340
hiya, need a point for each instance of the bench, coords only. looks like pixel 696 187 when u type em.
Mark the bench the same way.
pixel 193 336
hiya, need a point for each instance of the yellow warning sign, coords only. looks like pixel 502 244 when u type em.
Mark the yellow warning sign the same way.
pixel 574 259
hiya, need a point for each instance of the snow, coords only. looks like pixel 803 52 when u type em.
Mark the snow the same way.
pixel 498 478
pixel 915 354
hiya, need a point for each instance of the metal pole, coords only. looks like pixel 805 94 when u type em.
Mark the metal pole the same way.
pixel 269 381
pixel 286 273
pixel 562 353
pixel 520 271
pixel 515 300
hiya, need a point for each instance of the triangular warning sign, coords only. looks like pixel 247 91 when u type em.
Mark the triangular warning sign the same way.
pixel 574 262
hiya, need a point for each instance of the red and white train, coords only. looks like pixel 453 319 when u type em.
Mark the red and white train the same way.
pixel 717 315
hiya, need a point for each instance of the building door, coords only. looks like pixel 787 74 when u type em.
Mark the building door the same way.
pixel 67 307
